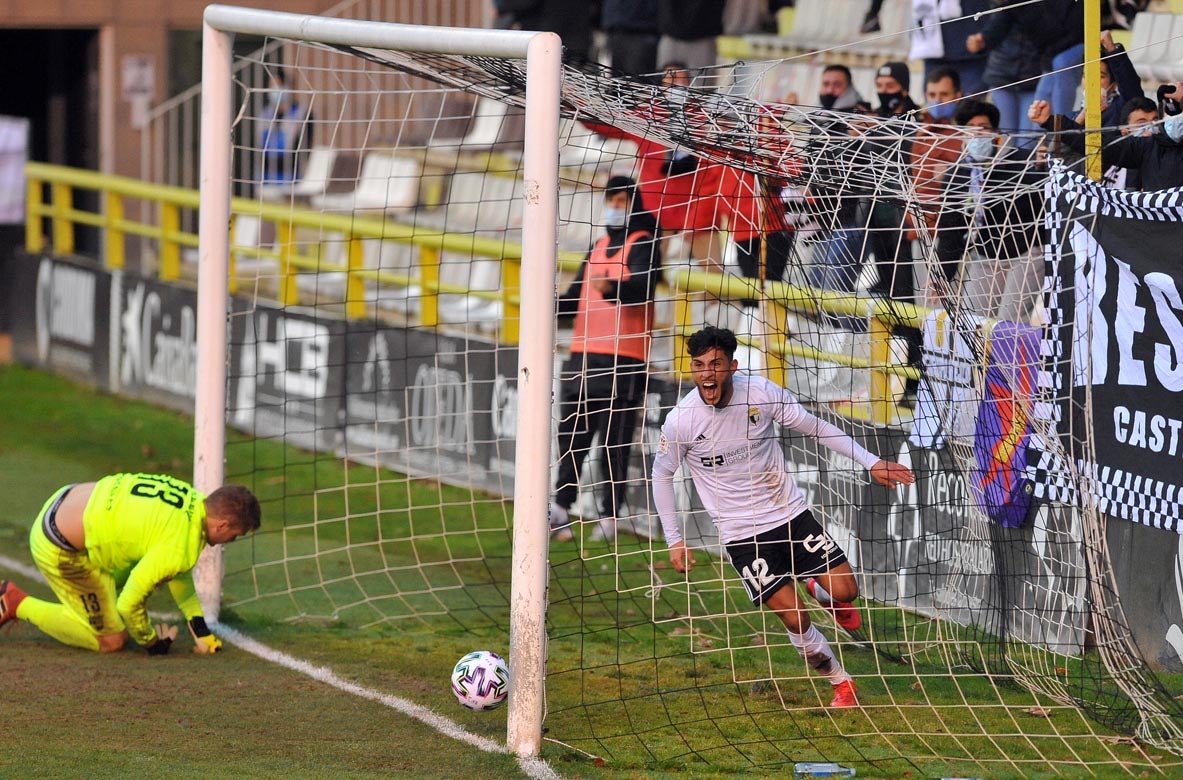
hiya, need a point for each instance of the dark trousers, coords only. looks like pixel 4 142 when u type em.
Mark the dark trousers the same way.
pixel 600 394
pixel 776 257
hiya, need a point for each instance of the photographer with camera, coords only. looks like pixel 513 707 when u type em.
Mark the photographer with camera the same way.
pixel 1158 155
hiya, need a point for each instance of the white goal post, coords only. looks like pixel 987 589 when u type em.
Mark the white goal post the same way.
pixel 541 51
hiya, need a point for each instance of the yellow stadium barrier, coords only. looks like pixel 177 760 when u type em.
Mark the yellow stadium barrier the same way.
pixel 169 206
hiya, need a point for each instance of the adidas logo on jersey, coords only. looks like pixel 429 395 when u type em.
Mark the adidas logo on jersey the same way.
pixel 701 437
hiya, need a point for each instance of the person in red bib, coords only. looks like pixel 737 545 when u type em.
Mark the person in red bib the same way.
pixel 603 382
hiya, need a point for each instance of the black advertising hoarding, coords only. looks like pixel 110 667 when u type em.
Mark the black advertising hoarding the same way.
pixel 60 316
pixel 431 404
pixel 286 369
pixel 154 341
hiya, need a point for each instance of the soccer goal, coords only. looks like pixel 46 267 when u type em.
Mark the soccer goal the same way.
pixel 277 120
pixel 379 328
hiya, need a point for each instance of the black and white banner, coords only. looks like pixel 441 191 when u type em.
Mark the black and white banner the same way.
pixel 1113 351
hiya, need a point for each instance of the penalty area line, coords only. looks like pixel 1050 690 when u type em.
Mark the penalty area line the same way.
pixel 534 768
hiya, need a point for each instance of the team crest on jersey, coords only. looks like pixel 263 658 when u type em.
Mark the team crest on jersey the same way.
pixel 663 445
pixel 754 415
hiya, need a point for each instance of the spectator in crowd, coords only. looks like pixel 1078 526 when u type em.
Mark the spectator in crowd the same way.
pixel 688 29
pixel 1014 63
pixel 939 34
pixel 988 248
pixel 837 92
pixel 1061 35
pixel 603 382
pixel 871 23
pixel 631 29
pixel 1157 156
pixel 1138 117
pixel 727 434
pixel 105 546
pixel 890 228
pixel 573 24
pixel 286 131
pixel 1119 82
pixel 757 224
pixel 936 146
pixel 892 81
pixel 942 90
pixel 677 187
pixel 840 251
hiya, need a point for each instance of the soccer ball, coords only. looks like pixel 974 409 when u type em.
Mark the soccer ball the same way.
pixel 480 680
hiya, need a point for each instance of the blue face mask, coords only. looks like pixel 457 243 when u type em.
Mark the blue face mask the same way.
pixel 942 111
pixel 615 218
pixel 980 148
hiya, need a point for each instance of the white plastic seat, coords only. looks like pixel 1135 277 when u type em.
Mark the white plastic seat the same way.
pixel 387 183
pixel 1170 66
pixel 315 180
pixel 1149 41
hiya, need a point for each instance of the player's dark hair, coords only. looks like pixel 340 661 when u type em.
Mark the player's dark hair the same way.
pixel 236 504
pixel 710 336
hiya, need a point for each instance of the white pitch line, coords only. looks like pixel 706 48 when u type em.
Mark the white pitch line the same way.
pixel 534 768
pixel 23 569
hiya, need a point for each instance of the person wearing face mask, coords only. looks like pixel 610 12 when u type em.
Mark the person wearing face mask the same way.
pixel 603 382
pixel 988 239
pixel 1119 82
pixel 1138 118
pixel 942 90
pixel 891 87
pixel 1157 156
pixel 837 92
pixel 677 187
pixel 937 144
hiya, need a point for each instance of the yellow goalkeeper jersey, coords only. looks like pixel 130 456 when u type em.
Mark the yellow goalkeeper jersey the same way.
pixel 146 529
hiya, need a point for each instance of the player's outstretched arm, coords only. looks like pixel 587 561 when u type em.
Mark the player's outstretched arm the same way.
pixel 889 474
pixel 681 557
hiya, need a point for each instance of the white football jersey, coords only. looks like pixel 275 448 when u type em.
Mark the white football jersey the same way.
pixel 736 459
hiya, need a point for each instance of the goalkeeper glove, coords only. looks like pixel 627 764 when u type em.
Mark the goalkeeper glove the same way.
pixel 204 642
pixel 165 634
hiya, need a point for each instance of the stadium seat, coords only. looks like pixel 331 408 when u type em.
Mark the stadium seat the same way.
pixel 315 179
pixel 387 183
pixel 1149 41
pixel 1168 67
pixel 810 28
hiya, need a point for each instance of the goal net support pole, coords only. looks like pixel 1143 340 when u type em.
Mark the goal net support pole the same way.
pixel 542 52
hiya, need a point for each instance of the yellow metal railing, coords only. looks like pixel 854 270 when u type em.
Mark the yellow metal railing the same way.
pixel 168 205
pixel 290 255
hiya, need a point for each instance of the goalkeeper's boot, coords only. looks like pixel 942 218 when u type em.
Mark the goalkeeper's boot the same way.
pixel 845 613
pixel 10 598
pixel 844 695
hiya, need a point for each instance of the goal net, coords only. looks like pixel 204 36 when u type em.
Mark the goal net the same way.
pixel 399 402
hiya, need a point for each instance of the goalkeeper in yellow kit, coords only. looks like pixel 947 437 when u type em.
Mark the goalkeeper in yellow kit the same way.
pixel 104 547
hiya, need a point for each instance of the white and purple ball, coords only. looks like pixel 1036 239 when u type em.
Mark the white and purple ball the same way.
pixel 480 680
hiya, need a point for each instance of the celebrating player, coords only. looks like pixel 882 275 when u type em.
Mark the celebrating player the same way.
pixel 724 432
pixel 126 533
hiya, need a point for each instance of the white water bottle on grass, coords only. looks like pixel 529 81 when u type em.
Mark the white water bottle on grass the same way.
pixel 807 769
